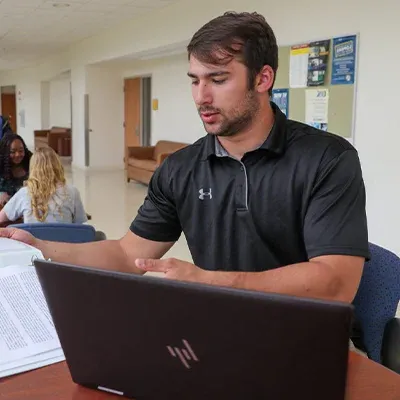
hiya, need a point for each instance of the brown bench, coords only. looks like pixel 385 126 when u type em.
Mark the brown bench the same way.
pixel 58 138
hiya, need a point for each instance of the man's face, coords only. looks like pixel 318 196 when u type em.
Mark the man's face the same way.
pixel 222 96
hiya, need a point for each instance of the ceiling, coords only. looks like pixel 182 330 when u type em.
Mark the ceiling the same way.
pixel 32 29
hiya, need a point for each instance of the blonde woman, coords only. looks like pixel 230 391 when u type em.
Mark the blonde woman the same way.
pixel 45 197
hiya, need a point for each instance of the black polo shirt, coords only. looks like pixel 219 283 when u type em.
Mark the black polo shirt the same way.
pixel 300 195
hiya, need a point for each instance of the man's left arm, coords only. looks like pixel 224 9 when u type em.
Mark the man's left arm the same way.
pixel 335 236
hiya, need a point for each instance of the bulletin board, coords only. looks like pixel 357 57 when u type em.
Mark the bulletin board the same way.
pixel 341 86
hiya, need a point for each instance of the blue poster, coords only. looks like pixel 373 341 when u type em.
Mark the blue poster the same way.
pixel 281 98
pixel 344 60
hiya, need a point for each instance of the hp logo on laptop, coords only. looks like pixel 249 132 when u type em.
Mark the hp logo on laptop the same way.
pixel 184 354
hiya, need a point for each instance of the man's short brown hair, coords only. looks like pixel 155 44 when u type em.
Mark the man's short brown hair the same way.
pixel 244 36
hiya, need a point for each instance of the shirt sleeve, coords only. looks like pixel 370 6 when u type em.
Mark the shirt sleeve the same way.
pixel 157 218
pixel 14 208
pixel 335 222
pixel 79 211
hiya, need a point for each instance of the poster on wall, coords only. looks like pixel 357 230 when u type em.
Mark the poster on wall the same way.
pixel 318 62
pixel 298 68
pixel 281 98
pixel 344 60
pixel 317 101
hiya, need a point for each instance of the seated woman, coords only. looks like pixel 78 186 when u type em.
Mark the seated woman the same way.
pixel 46 196
pixel 14 166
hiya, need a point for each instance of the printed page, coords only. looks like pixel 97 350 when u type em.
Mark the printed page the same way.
pixel 7 245
pixel 30 363
pixel 13 252
pixel 26 327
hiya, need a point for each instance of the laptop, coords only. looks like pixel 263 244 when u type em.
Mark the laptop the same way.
pixel 153 338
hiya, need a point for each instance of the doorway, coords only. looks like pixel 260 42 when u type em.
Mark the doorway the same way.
pixel 9 105
pixel 137 113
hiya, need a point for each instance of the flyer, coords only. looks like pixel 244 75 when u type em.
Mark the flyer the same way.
pixel 317 101
pixel 344 60
pixel 298 69
pixel 281 98
pixel 318 62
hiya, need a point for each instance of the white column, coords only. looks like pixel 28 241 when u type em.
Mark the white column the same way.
pixel 78 91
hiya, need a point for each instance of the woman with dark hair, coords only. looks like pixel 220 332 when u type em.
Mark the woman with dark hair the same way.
pixel 14 166
pixel 46 196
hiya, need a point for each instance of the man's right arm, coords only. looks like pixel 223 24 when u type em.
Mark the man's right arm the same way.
pixel 116 255
pixel 153 232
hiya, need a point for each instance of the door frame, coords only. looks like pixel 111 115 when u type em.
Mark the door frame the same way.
pixel 14 117
pixel 141 131
pixel 145 112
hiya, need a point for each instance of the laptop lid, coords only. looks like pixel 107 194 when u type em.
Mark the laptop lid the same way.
pixel 153 338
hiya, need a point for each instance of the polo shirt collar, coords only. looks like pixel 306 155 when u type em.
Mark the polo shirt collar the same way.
pixel 275 142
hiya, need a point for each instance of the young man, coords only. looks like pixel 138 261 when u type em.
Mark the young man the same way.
pixel 264 202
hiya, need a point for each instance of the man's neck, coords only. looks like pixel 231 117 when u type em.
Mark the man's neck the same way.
pixel 250 139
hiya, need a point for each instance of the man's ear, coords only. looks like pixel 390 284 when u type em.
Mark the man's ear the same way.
pixel 265 79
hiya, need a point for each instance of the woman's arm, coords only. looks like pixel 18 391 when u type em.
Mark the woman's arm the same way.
pixel 3 217
pixel 4 197
pixel 14 209
pixel 79 216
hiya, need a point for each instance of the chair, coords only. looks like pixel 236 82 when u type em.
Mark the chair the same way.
pixel 61 232
pixel 141 162
pixel 375 307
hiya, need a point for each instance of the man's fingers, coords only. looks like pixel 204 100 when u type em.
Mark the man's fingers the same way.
pixel 148 264
pixel 7 232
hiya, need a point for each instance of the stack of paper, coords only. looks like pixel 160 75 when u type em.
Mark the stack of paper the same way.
pixel 28 339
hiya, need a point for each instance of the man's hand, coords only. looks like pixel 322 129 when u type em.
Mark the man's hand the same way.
pixel 173 269
pixel 20 235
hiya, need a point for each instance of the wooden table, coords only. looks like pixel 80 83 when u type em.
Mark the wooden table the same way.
pixel 366 381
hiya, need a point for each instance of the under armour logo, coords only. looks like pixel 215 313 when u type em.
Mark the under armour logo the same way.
pixel 204 194
pixel 185 354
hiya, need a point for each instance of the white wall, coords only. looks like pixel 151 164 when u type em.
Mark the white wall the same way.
pixel 60 103
pixel 8 89
pixel 176 118
pixel 78 91
pixel 377 125
pixel 106 115
pixel 29 96
pixel 45 100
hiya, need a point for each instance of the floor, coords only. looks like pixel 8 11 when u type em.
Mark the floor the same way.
pixel 113 204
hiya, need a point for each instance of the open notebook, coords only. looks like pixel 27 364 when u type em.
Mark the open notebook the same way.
pixel 28 339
